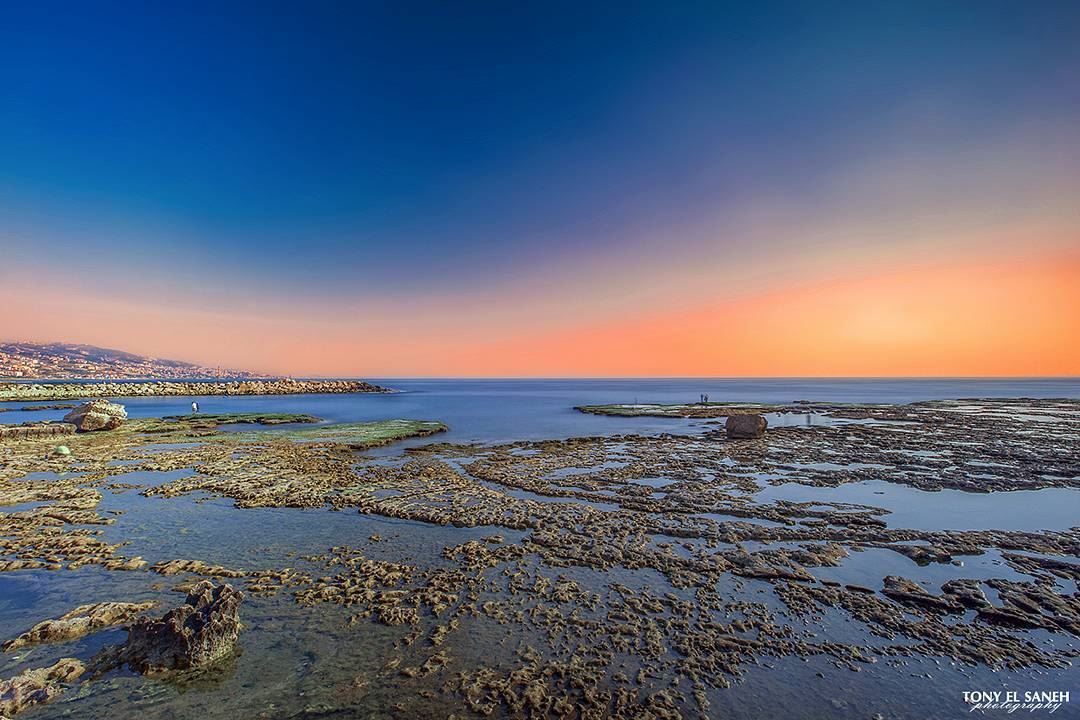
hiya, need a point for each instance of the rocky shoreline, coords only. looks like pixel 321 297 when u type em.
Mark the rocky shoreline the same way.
pixel 637 575
pixel 712 410
pixel 280 386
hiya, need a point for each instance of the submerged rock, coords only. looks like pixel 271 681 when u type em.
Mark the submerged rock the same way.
pixel 81 621
pixel 37 685
pixel 745 427
pixel 97 415
pixel 176 567
pixel 201 631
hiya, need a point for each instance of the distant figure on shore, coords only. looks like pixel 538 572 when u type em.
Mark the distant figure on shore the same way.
pixel 194 407
pixel 705 398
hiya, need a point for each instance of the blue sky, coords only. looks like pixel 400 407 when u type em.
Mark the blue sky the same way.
pixel 361 150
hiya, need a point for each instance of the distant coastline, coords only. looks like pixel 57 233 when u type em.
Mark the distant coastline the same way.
pixel 71 361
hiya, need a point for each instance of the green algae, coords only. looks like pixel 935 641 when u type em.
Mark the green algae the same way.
pixel 683 410
pixel 245 418
pixel 355 435
pixel 704 410
pixel 358 435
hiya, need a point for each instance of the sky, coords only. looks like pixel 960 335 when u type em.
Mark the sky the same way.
pixel 547 189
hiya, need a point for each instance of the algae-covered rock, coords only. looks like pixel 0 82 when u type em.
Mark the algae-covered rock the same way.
pixel 35 430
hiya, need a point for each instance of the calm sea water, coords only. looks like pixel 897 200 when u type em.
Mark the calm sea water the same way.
pixel 503 410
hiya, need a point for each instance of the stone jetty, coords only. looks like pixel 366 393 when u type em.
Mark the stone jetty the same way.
pixel 281 386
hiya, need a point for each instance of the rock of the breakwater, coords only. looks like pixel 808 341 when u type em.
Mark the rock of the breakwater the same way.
pixel 201 631
pixel 76 390
pixel 746 427
pixel 97 415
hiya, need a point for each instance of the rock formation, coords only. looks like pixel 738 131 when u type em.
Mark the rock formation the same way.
pixel 199 632
pixel 745 427
pixel 97 415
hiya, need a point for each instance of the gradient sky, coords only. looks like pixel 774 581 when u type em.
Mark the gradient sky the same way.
pixel 485 189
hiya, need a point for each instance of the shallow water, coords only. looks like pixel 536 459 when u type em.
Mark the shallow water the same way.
pixel 1045 509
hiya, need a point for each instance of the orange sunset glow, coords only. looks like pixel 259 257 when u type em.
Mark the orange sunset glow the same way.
pixel 1009 317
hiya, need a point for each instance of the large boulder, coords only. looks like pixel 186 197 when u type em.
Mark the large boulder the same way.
pixel 201 631
pixel 746 427
pixel 97 415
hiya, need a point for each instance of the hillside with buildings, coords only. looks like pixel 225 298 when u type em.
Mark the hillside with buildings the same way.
pixel 61 361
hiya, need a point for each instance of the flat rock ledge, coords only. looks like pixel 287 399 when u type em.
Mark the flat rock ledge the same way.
pixel 80 622
pixel 196 634
pixel 285 386
pixel 38 685
pixel 35 431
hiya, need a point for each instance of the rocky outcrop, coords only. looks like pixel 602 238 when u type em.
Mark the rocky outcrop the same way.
pixel 37 685
pixel 968 593
pixel 97 415
pixel 201 631
pixel 33 431
pixel 285 386
pixel 81 621
pixel 176 567
pixel 746 427
pixel 909 592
